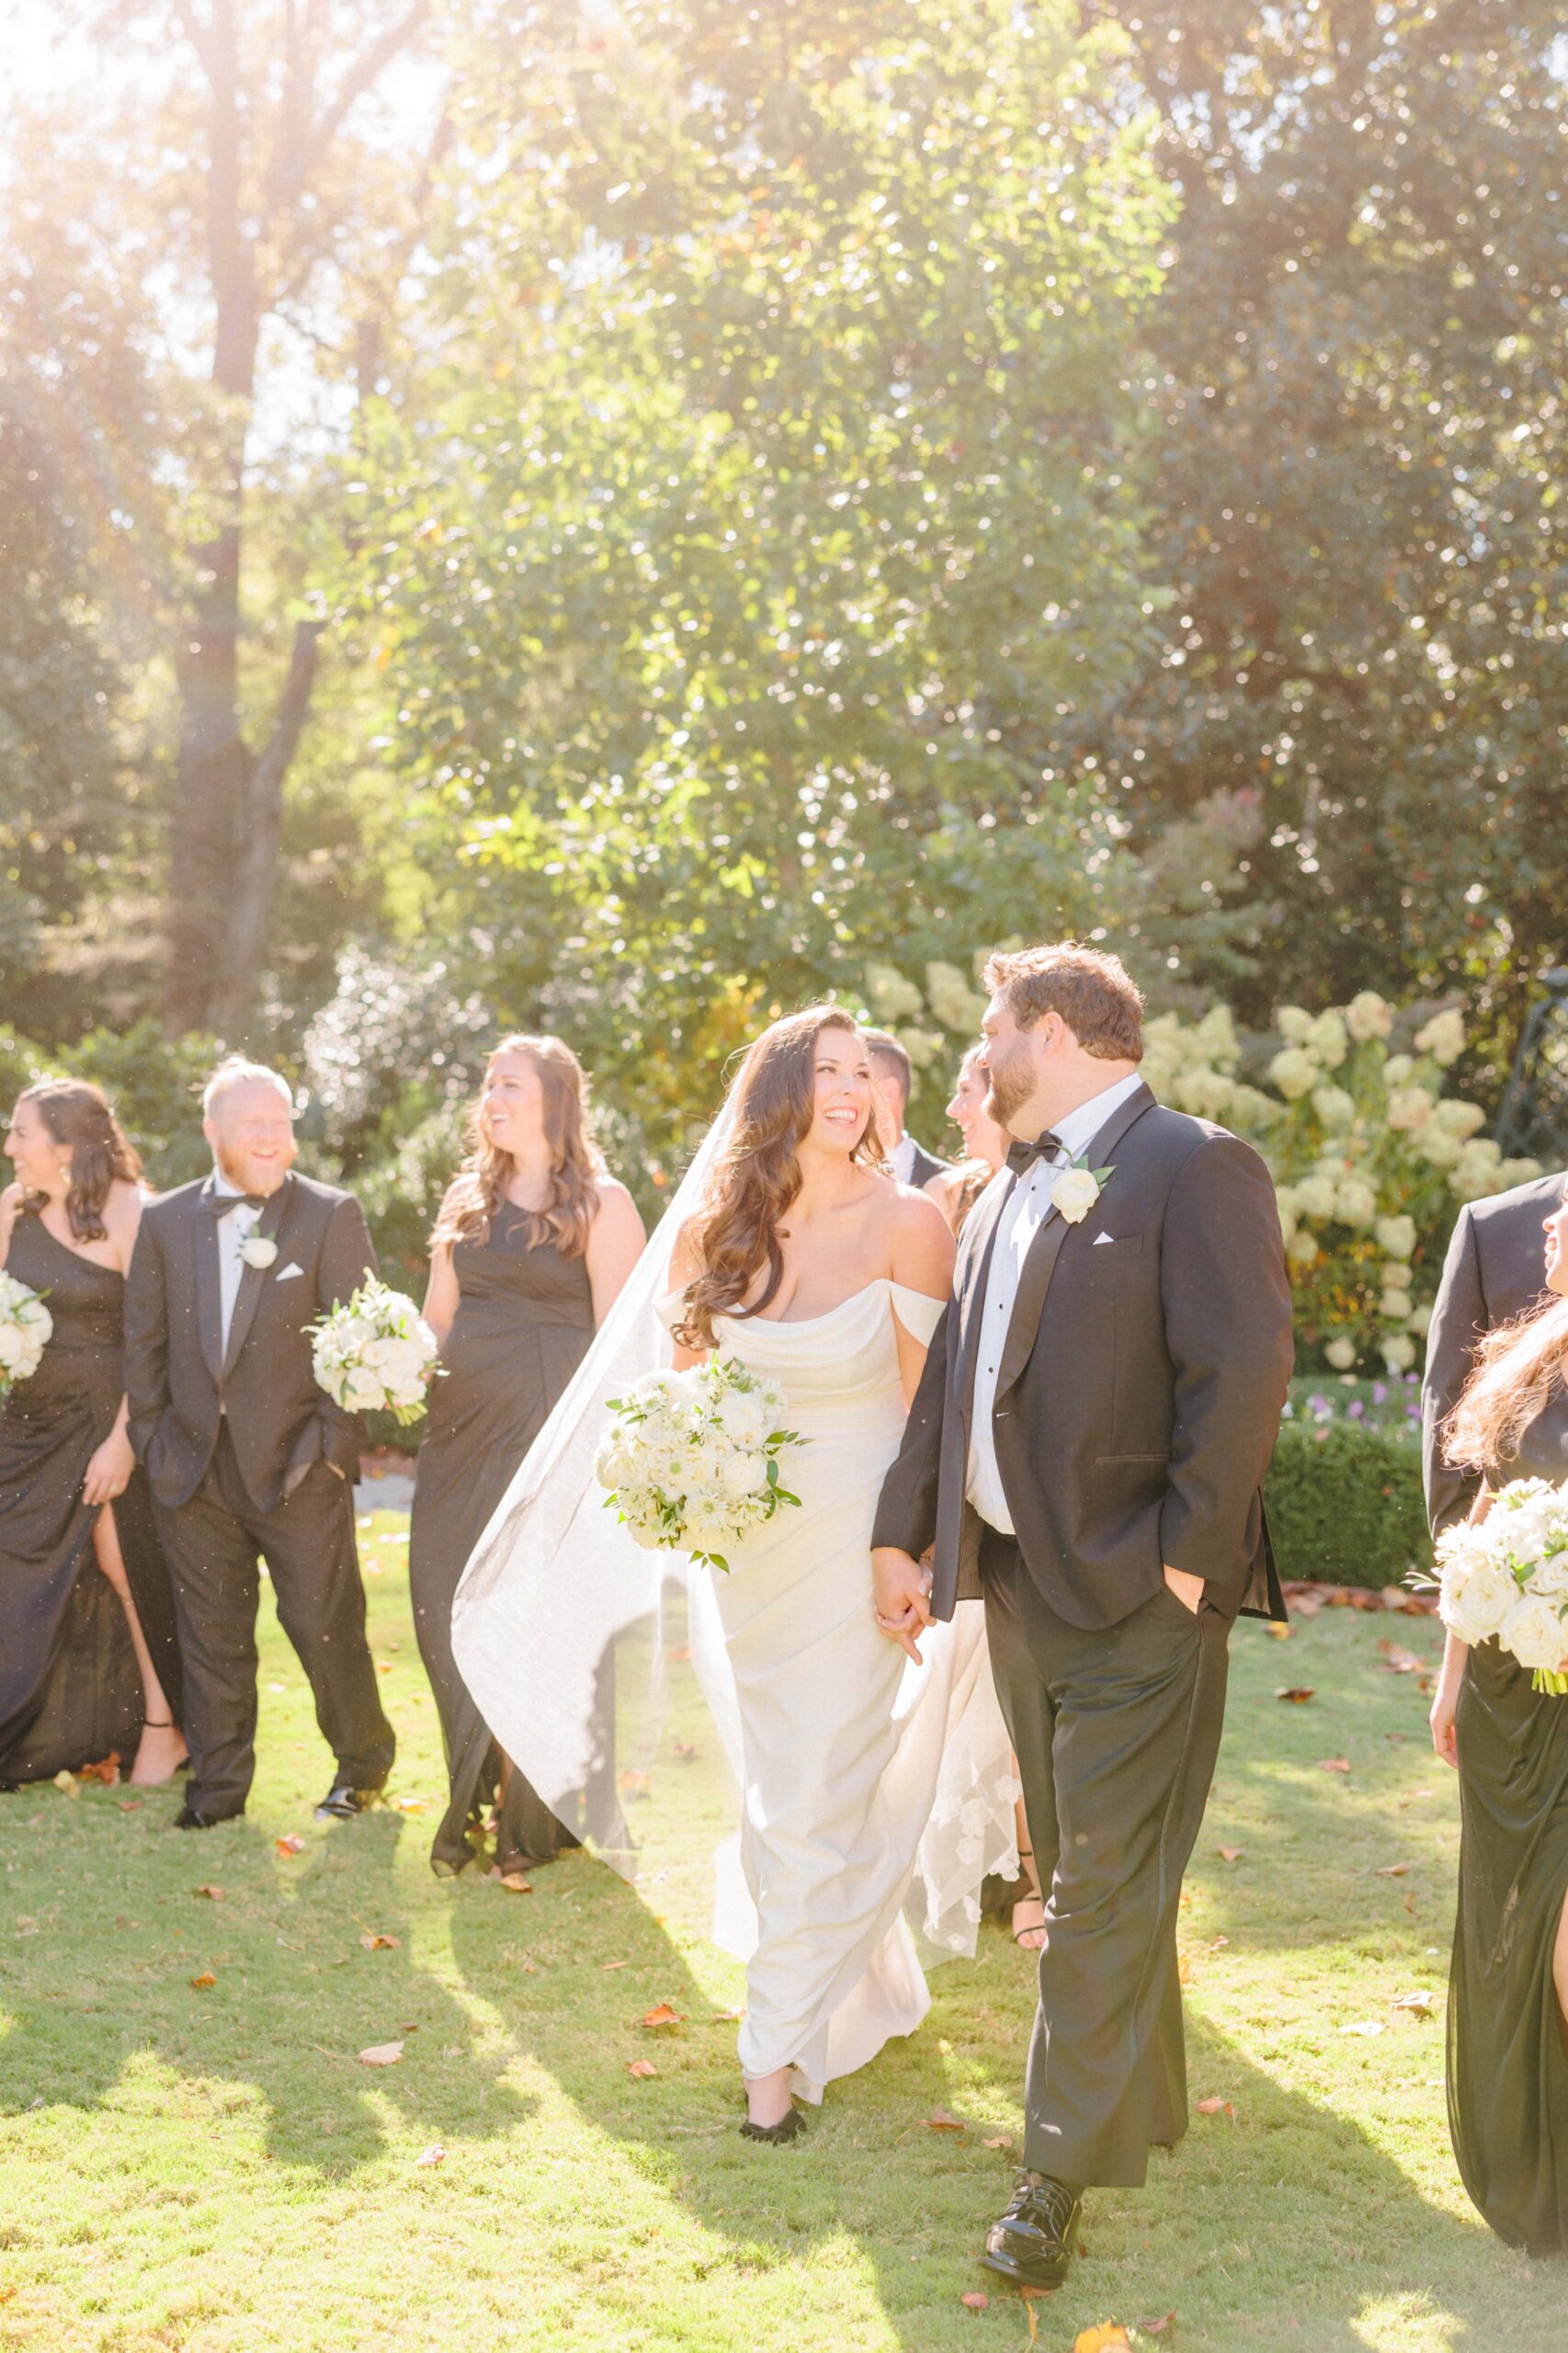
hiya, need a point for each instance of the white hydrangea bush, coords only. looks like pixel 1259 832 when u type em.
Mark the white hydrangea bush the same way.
pixel 1370 1159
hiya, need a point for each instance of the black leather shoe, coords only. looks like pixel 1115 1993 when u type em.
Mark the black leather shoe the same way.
pixel 190 1818
pixel 1032 2245
pixel 788 2128
pixel 343 1801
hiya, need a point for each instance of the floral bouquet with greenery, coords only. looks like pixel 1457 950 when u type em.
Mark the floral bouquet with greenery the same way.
pixel 692 1461
pixel 1505 1578
pixel 375 1353
pixel 26 1325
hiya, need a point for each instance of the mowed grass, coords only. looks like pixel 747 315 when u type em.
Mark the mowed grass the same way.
pixel 210 2169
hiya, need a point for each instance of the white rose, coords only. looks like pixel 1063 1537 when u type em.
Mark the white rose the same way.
pixel 1399 1353
pixel 1341 1352
pixel 362 1392
pixel 1533 1631
pixel 743 1416
pixel 1550 1574
pixel 1396 1236
pixel 399 1362
pixel 258 1250
pixel 14 1345
pixel 1368 1016
pixel 1293 1072
pixel 1074 1193
pixel 742 1475
pixel 1474 1606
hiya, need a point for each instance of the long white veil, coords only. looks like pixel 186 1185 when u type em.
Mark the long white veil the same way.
pixel 601 1670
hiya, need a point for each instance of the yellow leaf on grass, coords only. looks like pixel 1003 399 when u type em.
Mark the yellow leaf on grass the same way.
pixel 382 2055
pixel 1218 2106
pixel 940 2121
pixel 973 2301
pixel 202 1979
pixel 1105 2334
pixel 290 1842
pixel 998 2141
pixel 1297 1693
pixel 433 2155
pixel 373 1942
pixel 213 1895
pixel 1393 1871
pixel 661 2015
pixel 640 2069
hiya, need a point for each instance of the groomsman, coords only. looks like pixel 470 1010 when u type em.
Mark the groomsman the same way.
pixel 247 1458
pixel 1089 1439
pixel 910 1162
pixel 1494 1270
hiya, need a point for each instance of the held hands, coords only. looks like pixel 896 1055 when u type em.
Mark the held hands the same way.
pixel 901 1594
pixel 108 1471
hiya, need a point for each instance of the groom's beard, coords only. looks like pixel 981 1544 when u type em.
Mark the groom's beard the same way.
pixel 1011 1086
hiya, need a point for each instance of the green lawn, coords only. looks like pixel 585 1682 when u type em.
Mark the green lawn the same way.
pixel 211 2170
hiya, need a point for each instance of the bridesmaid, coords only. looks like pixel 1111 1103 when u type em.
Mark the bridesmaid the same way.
pixel 955 1191
pixel 80 1566
pixel 533 1241
pixel 1508 1986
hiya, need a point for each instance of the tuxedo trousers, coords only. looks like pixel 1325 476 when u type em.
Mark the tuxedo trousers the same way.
pixel 1116 1730
pixel 212 1545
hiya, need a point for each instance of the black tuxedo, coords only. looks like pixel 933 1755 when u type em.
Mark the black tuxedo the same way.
pixel 924 1166
pixel 1137 1398
pixel 244 1453
pixel 1495 1269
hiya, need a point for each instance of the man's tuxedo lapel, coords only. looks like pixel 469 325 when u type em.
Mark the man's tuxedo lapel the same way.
pixel 980 1241
pixel 208 1282
pixel 1046 1248
pixel 252 1277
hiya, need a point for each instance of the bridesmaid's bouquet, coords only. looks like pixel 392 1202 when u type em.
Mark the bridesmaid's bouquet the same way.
pixel 1506 1578
pixel 375 1353
pixel 26 1325
pixel 691 1461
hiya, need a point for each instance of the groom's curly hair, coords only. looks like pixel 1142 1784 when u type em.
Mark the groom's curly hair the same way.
pixel 1093 990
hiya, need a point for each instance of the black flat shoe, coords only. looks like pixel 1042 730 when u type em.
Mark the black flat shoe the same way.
pixel 343 1801
pixel 1032 2245
pixel 788 2128
pixel 190 1818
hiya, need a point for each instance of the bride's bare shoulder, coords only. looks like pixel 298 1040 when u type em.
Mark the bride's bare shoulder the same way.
pixel 922 1242
pixel 686 1262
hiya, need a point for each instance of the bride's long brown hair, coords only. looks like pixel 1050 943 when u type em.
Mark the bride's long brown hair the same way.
pixel 576 1162
pixel 1518 1367
pixel 735 1231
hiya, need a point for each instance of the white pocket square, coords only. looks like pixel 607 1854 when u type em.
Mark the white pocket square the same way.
pixel 284 1272
pixel 1103 1237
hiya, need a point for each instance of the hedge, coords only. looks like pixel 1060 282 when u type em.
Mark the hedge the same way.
pixel 1345 1504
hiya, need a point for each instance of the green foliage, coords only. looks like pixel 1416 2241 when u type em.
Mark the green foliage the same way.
pixel 1345 1504
pixel 155 1083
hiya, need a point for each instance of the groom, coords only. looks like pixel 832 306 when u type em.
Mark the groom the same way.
pixel 246 1456
pixel 1087 1448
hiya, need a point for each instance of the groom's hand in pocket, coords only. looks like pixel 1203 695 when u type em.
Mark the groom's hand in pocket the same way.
pixel 900 1588
pixel 1187 1590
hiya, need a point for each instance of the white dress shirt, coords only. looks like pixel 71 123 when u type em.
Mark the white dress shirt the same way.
pixel 901 1160
pixel 1020 1220
pixel 235 1227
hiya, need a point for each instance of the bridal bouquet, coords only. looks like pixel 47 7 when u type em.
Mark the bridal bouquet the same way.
pixel 692 1461
pixel 24 1327
pixel 1506 1577
pixel 375 1351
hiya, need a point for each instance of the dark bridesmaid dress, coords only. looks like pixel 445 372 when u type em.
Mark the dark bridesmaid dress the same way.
pixel 1508 2041
pixel 69 1688
pixel 524 1321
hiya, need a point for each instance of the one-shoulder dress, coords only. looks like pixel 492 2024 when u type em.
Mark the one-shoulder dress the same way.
pixel 69 1690
pixel 524 1321
pixel 859 1770
pixel 1507 2039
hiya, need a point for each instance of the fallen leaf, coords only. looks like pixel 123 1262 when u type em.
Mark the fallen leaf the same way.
pixel 1297 1693
pixel 722 2018
pixel 998 2141
pixel 1393 1871
pixel 201 1982
pixel 433 2155
pixel 633 1784
pixel 686 1750
pixel 1416 2006
pixel 661 2015
pixel 1100 2338
pixel 382 2055
pixel 940 2121
pixel 1365 2026
pixel 683 1652
pixel 67 1784
pixel 975 2301
pixel 409 1805
pixel 1216 2106
pixel 373 1942
pixel 614 1965
pixel 642 2069
pixel 106 1770
pixel 290 1842
pixel 214 1895
pixel 1161 2327
pixel 1334 1764
pixel 1280 1633
pixel 1398 1661
pixel 128 1805
pixel 1229 1854
pixel 1218 1944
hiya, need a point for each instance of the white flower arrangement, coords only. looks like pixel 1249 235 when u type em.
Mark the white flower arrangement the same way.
pixel 25 1325
pixel 1077 1190
pixel 258 1250
pixel 692 1461
pixel 375 1352
pixel 1505 1579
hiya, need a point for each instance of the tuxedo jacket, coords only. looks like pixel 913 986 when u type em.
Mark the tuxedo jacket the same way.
pixel 182 1384
pixel 1140 1385
pixel 925 1165
pixel 1495 1269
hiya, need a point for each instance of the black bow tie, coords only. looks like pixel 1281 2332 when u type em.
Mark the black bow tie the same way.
pixel 221 1203
pixel 1021 1157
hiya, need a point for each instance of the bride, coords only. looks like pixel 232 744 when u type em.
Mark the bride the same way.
pixel 858 1766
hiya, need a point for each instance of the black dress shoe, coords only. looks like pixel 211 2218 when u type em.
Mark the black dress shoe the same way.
pixel 788 2128
pixel 1032 2245
pixel 343 1801
pixel 190 1818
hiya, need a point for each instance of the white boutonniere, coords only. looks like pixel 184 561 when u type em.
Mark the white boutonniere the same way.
pixel 258 1250
pixel 1077 1190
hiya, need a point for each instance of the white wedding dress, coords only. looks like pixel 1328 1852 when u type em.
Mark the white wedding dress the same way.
pixel 842 1739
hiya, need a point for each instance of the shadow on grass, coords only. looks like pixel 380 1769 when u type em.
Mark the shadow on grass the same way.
pixel 102 2005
